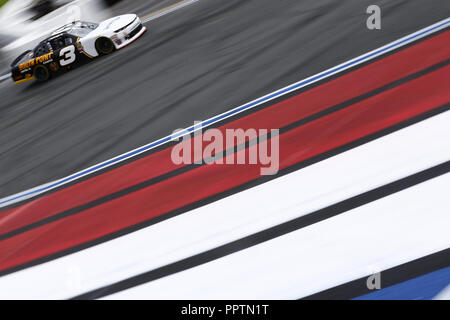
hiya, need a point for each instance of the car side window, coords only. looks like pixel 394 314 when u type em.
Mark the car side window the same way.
pixel 58 43
pixel 42 48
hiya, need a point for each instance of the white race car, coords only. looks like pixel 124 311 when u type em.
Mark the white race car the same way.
pixel 71 43
pixel 122 30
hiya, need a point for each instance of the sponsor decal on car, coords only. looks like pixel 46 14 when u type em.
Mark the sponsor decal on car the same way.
pixel 31 63
pixel 27 65
pixel 116 39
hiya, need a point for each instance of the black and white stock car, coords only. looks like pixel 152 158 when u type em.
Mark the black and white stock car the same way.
pixel 74 43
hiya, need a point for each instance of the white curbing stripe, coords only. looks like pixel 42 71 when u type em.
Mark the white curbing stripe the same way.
pixel 377 236
pixel 318 77
pixel 4 77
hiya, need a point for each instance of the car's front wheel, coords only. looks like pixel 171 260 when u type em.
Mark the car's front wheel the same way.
pixel 41 73
pixel 104 46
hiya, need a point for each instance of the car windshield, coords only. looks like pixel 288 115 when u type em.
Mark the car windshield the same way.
pixel 81 29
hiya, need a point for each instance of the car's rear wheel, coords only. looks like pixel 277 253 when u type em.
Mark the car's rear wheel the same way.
pixel 41 73
pixel 104 46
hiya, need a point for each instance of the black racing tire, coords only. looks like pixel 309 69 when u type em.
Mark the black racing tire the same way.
pixel 104 46
pixel 41 73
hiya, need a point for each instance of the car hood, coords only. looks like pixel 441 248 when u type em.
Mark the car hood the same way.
pixel 117 22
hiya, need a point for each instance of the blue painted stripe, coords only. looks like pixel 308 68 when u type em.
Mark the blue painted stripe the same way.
pixel 206 123
pixel 425 287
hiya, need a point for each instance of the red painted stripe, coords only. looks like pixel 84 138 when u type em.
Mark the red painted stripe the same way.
pixel 336 129
pixel 363 80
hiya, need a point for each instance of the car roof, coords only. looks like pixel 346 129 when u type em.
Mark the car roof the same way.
pixel 64 29
pixel 51 37
pixel 71 29
pixel 74 27
pixel 56 35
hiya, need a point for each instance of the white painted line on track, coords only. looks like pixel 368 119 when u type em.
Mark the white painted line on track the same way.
pixel 168 10
pixel 279 93
pixel 4 77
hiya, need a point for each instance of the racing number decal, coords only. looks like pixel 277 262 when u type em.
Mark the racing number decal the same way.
pixel 67 55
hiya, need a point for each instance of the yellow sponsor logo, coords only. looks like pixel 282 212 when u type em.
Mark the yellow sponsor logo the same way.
pixel 27 65
pixel 44 58
pixel 31 63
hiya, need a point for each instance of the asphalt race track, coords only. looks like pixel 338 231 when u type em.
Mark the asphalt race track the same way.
pixel 192 64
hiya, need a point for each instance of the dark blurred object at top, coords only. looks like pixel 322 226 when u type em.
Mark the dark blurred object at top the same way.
pixel 111 2
pixel 43 7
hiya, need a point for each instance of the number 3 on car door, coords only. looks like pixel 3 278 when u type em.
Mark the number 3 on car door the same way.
pixel 67 55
